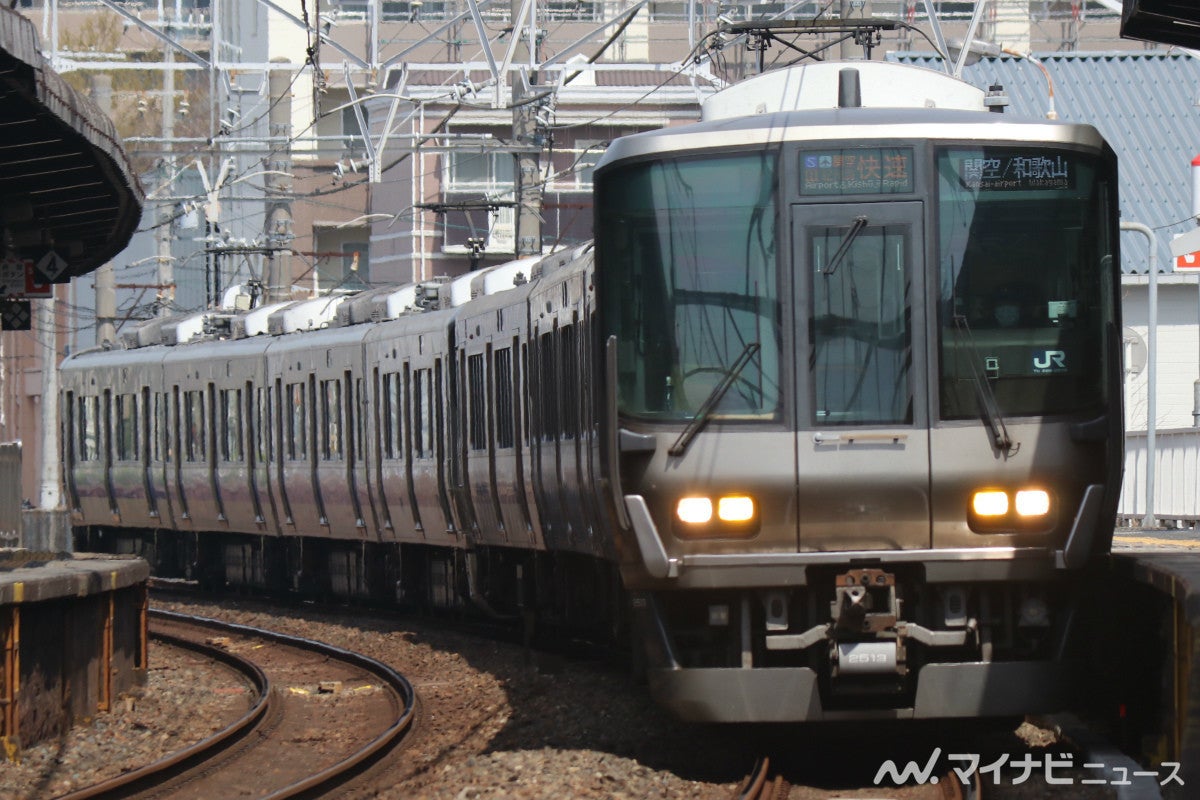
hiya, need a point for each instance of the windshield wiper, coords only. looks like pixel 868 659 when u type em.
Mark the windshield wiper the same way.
pixel 984 394
pixel 714 397
pixel 844 247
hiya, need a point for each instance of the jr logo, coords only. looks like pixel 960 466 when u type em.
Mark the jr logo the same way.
pixel 1050 361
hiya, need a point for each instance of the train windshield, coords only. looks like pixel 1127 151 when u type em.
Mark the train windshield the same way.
pixel 687 251
pixel 1026 251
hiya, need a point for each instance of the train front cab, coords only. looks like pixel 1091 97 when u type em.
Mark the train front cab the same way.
pixel 859 471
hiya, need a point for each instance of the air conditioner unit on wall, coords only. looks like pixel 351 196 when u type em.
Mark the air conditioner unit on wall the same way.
pixel 1165 21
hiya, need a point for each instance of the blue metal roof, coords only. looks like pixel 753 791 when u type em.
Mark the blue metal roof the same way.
pixel 1144 104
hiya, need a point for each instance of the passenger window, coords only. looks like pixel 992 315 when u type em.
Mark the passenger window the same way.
pixel 422 413
pixel 127 427
pixel 331 420
pixel 861 343
pixel 390 416
pixel 231 420
pixel 569 381
pixel 89 431
pixel 549 387
pixel 503 381
pixel 297 444
pixel 477 403
pixel 193 412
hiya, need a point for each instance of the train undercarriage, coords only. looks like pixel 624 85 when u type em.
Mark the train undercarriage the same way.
pixel 862 642
pixel 851 644
pixel 541 592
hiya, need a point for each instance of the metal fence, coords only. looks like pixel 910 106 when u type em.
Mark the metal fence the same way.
pixel 10 494
pixel 1176 478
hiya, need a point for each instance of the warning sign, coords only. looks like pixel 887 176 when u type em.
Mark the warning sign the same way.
pixel 12 277
pixel 50 267
pixel 15 315
pixel 18 278
pixel 1188 262
pixel 1185 250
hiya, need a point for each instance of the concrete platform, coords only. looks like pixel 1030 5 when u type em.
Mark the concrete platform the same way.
pixel 1151 601
pixel 72 640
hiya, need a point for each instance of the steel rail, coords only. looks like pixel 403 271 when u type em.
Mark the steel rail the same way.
pixel 341 771
pixel 157 772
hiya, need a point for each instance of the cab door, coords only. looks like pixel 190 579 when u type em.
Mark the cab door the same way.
pixel 862 433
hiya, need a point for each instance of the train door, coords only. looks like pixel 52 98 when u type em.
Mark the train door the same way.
pixel 175 457
pixel 106 408
pixel 161 457
pixel 278 450
pixel 357 461
pixel 386 442
pixel 862 439
pixel 145 423
pixel 70 449
pixel 544 434
pixel 255 461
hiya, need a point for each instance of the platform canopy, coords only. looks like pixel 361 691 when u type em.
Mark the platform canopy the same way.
pixel 69 198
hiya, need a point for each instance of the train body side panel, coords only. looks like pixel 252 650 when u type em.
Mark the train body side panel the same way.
pixel 339 465
pixel 193 480
pixel 291 362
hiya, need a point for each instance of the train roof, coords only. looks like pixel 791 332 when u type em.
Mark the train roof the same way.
pixel 802 104
pixel 344 310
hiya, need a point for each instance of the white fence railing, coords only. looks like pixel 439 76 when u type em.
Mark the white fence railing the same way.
pixel 1176 478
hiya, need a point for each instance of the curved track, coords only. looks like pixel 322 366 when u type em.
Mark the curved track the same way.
pixel 290 754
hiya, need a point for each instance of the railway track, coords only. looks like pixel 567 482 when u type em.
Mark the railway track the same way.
pixel 762 784
pixel 320 716
pixel 758 785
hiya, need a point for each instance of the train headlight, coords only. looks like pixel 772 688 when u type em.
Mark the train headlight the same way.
pixel 735 508
pixel 990 503
pixel 1027 510
pixel 727 516
pixel 694 510
pixel 1033 503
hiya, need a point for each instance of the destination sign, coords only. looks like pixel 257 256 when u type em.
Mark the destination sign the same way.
pixel 1013 172
pixel 859 170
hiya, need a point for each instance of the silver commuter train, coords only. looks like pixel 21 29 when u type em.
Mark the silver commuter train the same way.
pixel 829 420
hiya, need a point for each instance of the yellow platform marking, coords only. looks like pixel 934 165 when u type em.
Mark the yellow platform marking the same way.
pixel 1191 544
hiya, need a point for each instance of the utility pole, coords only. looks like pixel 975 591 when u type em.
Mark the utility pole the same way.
pixel 166 273
pixel 48 491
pixel 106 281
pixel 529 172
pixel 278 226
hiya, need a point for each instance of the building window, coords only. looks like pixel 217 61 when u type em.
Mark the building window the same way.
pixel 492 173
pixel 587 153
pixel 356 261
pixel 352 134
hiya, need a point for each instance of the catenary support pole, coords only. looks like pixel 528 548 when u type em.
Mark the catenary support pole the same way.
pixel 1151 369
